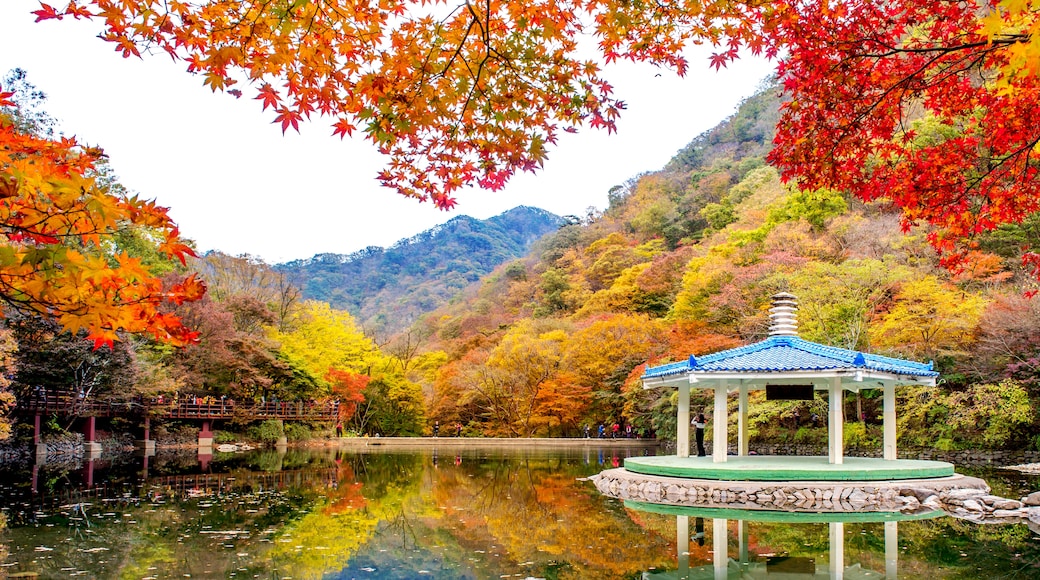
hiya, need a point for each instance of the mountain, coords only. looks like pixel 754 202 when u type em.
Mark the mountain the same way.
pixel 684 261
pixel 386 289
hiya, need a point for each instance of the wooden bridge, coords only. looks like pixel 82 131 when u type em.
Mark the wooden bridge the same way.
pixel 67 405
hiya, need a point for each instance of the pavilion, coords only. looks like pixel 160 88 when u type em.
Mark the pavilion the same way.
pixel 786 367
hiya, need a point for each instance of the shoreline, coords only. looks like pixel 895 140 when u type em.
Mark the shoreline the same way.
pixel 23 451
pixel 361 442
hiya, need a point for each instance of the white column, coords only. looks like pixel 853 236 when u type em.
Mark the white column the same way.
pixel 892 550
pixel 837 564
pixel 682 432
pixel 835 424
pixel 889 403
pixel 742 422
pixel 720 544
pixel 682 541
pixel 742 540
pixel 721 422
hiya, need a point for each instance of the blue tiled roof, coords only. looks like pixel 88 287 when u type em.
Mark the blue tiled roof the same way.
pixel 790 353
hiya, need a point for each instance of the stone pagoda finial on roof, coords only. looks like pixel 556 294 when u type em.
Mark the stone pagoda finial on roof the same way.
pixel 782 315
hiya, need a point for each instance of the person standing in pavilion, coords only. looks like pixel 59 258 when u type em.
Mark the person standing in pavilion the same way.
pixel 698 430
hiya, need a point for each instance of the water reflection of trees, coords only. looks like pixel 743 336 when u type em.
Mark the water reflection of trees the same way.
pixel 472 515
pixel 537 512
pixel 468 516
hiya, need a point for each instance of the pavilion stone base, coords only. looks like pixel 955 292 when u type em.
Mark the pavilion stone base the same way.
pixel 909 495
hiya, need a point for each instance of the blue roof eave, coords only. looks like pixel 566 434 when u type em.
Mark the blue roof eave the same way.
pixel 785 354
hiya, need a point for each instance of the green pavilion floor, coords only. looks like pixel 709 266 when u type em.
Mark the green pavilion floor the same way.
pixel 788 468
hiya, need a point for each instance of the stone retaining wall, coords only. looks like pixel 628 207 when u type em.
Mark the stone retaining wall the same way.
pixel 812 496
pixel 531 442
pixel 959 496
pixel 977 458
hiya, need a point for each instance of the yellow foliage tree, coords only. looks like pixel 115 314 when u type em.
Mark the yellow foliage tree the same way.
pixel 511 378
pixel 603 353
pixel 320 338
pixel 930 319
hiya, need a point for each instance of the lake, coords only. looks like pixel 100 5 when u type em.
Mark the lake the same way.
pixel 447 513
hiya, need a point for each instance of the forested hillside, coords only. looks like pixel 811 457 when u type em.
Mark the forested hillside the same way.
pixel 684 261
pixel 219 326
pixel 388 289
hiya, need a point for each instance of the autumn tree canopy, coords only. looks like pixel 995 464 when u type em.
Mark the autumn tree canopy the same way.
pixel 453 93
pixel 929 105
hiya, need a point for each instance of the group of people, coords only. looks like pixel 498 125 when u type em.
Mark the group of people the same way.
pixel 699 422
pixel 616 431
pixel 796 419
pixel 437 429
pixel 181 398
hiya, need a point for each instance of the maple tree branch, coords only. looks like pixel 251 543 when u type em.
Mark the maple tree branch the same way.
pixel 487 28
pixel 1003 40
pixel 906 84
pixel 475 75
pixel 994 165
pixel 993 170
pixel 21 302
pixel 455 54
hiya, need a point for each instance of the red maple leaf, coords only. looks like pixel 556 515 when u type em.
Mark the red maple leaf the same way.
pixel 718 60
pixel 288 118
pixel 46 12
pixel 269 96
pixel 343 128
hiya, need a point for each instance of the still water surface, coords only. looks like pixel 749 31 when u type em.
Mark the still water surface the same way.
pixel 472 514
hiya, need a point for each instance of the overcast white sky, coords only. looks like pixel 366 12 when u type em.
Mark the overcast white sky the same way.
pixel 234 183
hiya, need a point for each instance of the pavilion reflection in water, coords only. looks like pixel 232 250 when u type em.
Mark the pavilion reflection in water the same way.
pixel 743 563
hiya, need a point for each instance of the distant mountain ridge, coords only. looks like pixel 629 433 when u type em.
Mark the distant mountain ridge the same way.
pixel 386 289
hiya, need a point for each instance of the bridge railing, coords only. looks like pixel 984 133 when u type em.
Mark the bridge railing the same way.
pixel 289 410
pixel 70 405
